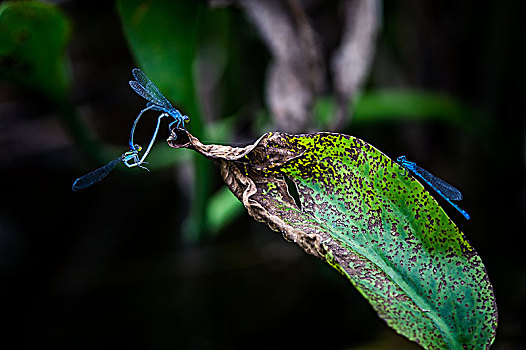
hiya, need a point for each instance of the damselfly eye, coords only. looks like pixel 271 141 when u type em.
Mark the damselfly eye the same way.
pixel 137 147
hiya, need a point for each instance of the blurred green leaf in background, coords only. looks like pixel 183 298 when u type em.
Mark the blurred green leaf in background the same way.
pixel 33 40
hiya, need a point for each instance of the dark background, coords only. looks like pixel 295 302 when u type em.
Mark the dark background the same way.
pixel 110 268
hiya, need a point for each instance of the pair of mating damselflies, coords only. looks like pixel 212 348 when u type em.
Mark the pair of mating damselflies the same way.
pixel 156 102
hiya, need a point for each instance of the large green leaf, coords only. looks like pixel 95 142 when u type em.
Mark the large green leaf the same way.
pixel 372 221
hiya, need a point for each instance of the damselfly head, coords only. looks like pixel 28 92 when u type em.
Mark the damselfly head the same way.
pixel 401 159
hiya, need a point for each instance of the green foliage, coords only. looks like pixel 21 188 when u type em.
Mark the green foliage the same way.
pixel 372 221
pixel 33 38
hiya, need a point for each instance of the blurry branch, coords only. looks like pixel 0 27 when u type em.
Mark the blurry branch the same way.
pixel 351 63
pixel 297 73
